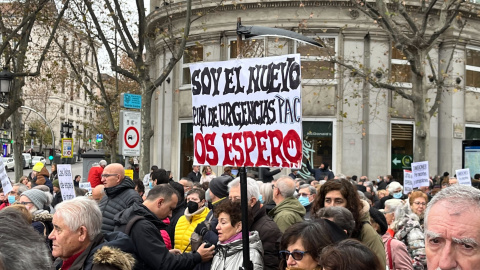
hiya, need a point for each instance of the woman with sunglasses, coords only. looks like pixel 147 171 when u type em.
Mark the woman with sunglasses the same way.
pixel 302 243
pixel 229 249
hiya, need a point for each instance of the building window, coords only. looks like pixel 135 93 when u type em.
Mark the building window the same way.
pixel 251 48
pixel 472 68
pixel 186 148
pixel 63 108
pixel 472 133
pixel 78 111
pixel 400 71
pixel 315 64
pixel 71 110
pixel 317 145
pixel 191 55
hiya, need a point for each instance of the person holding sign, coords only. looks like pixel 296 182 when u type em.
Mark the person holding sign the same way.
pixel 452 224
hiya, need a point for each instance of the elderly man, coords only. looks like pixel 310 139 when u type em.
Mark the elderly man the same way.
pixel 452 234
pixel 95 173
pixel 195 175
pixel 119 194
pixel 77 239
pixel 288 209
pixel 187 184
pixel 16 192
pixel 262 223
pixel 97 193
pixel 143 222
pixel 306 195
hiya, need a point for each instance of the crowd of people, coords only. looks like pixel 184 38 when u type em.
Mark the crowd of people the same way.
pixel 330 222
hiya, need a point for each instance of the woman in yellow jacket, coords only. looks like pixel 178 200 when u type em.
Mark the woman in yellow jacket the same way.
pixel 195 213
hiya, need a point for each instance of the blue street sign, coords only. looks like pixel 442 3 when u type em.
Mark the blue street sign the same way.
pixel 131 101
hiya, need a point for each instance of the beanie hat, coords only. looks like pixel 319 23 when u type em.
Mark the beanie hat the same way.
pixel 38 166
pixel 219 186
pixel 380 219
pixel 55 183
pixel 38 197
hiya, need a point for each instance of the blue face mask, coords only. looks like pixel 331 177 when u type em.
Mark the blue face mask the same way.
pixel 397 195
pixel 260 199
pixel 11 199
pixel 150 185
pixel 304 200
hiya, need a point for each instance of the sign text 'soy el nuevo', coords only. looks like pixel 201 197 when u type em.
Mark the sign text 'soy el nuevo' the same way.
pixel 247 112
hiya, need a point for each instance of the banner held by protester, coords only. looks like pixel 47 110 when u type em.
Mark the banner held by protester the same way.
pixel 247 112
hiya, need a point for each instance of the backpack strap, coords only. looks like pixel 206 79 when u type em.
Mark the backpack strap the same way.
pixel 389 248
pixel 130 224
pixel 208 222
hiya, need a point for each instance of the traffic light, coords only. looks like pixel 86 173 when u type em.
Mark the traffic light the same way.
pixel 11 141
pixel 50 157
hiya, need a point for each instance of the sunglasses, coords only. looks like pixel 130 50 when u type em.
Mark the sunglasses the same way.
pixel 297 255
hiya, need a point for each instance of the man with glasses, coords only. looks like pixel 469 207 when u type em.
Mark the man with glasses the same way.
pixel 119 194
pixel 306 195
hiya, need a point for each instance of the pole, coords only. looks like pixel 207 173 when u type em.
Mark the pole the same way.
pixel 239 39
pixel 247 264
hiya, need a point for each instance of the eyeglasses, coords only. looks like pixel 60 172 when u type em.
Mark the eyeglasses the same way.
pixel 108 174
pixel 303 194
pixel 273 187
pixel 420 203
pixel 24 203
pixel 297 255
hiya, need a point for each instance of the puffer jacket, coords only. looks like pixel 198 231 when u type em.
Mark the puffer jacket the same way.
pixel 409 231
pixel 287 213
pixel 185 227
pixel 117 199
pixel 106 252
pixel 230 256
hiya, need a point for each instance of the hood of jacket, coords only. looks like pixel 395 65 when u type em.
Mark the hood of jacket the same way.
pixel 289 204
pixel 42 216
pixel 111 257
pixel 125 184
pixel 137 209
pixel 237 246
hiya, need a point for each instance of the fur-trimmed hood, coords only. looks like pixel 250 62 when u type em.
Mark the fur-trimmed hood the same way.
pixel 42 215
pixel 113 258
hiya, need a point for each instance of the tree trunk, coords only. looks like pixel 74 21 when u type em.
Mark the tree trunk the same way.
pixel 421 115
pixel 17 144
pixel 147 131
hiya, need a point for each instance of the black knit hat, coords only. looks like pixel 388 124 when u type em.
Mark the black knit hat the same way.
pixel 219 186
pixel 380 219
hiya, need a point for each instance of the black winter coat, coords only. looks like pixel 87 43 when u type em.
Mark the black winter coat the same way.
pixel 269 234
pixel 195 177
pixel 267 175
pixel 148 242
pixel 116 199
pixel 320 174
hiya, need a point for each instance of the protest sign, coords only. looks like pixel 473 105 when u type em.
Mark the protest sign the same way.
pixel 407 181
pixel 85 185
pixel 6 184
pixel 65 181
pixel 463 177
pixel 247 112
pixel 420 174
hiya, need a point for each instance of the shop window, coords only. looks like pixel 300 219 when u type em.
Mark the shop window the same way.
pixel 402 150
pixel 472 133
pixel 317 145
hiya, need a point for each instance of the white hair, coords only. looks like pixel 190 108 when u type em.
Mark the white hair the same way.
pixel 393 186
pixel 252 187
pixel 81 211
pixel 457 195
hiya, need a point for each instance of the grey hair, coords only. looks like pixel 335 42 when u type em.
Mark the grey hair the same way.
pixel 102 162
pixel 21 188
pixel 81 211
pixel 312 189
pixel 456 195
pixel 393 186
pixel 340 215
pixel 395 206
pixel 18 237
pixel 252 187
pixel 361 195
pixel 286 185
pixel 340 176
pixel 321 182
pixel 267 192
pixel 368 184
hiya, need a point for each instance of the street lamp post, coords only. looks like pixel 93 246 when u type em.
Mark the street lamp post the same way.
pixel 6 78
pixel 33 133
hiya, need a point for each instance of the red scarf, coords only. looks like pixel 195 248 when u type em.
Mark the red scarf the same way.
pixel 68 262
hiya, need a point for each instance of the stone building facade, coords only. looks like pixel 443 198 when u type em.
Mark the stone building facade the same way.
pixel 347 123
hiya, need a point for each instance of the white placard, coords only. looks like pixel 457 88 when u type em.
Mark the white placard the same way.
pixel 248 112
pixel 463 177
pixel 6 184
pixel 420 174
pixel 65 181
pixel 407 181
pixel 85 185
